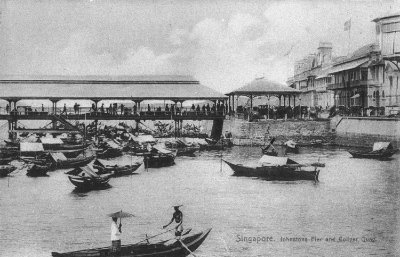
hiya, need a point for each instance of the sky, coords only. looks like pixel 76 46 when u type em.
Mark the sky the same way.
pixel 223 44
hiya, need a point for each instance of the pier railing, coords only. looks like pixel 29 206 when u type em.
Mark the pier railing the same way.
pixel 82 113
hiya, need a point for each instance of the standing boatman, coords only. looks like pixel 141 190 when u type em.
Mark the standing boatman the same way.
pixel 178 218
pixel 115 236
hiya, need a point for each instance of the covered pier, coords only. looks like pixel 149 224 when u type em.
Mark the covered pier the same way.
pixel 263 87
pixel 172 89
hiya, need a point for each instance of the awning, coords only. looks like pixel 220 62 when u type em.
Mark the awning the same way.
pixel 355 96
pixel 31 147
pixel 381 146
pixel 348 66
pixel 142 139
pixel 273 160
pixel 161 150
pixel 51 141
pixel 58 156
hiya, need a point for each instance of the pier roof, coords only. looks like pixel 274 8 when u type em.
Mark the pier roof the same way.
pixel 165 87
pixel 262 86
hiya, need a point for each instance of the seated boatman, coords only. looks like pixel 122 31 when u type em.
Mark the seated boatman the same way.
pixel 178 218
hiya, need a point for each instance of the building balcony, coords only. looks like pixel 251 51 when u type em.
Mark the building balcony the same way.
pixel 353 83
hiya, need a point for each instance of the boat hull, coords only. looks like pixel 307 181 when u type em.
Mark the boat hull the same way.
pixel 6 169
pixel 283 173
pixel 73 162
pixel 373 155
pixel 158 161
pixel 85 183
pixel 37 171
pixel 146 250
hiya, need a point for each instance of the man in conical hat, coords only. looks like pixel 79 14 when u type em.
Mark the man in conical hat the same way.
pixel 178 218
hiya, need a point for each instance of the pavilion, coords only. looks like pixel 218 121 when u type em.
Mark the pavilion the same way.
pixel 264 87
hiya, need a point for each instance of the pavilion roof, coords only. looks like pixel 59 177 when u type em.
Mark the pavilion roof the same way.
pixel 102 88
pixel 261 86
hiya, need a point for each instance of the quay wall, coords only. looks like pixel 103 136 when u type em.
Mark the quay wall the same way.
pixel 260 132
pixel 364 131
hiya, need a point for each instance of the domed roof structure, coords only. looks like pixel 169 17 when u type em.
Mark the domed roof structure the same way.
pixel 262 86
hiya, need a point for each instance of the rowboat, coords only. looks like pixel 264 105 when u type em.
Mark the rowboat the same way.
pixel 108 167
pixel 169 248
pixel 86 178
pixel 291 147
pixel 380 150
pixel 277 168
pixel 159 157
pixel 6 169
pixel 5 160
pixel 37 170
pixel 62 162
pixel 109 149
pixel 269 149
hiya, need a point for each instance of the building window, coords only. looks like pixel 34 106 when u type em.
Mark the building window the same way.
pixel 391 27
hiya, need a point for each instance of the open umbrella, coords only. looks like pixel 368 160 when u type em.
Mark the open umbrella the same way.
pixel 120 214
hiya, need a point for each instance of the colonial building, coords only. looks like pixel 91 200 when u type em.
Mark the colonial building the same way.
pixel 311 77
pixel 368 79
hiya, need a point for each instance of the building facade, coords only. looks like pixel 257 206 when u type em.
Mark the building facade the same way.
pixel 311 77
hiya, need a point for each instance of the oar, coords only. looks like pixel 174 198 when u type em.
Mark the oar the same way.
pixel 187 248
pixel 184 246
pixel 154 236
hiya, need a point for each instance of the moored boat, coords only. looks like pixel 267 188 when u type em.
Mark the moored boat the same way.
pixel 5 160
pixel 277 168
pixel 109 167
pixel 380 150
pixel 291 147
pixel 37 170
pixel 62 162
pixel 159 157
pixel 6 169
pixel 85 178
pixel 167 248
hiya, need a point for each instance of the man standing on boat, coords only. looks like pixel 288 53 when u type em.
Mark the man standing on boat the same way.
pixel 115 236
pixel 178 218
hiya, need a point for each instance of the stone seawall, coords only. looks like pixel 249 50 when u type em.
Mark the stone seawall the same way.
pixel 257 133
pixel 364 131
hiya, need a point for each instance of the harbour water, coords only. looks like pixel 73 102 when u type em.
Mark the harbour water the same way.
pixel 352 211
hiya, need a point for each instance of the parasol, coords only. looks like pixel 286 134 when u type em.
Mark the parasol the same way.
pixel 120 214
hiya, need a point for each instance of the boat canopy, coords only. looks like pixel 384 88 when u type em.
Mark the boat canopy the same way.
pixel 382 146
pixel 160 149
pixel 51 141
pixel 31 147
pixel 291 143
pixel 142 139
pixel 85 171
pixel 58 156
pixel 273 160
pixel 112 144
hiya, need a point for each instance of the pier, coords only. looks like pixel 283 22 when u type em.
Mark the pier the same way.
pixel 172 89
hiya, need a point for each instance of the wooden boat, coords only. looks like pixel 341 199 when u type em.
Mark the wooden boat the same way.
pixel 380 150
pixel 291 147
pixel 167 248
pixel 85 178
pixel 6 169
pixel 108 167
pixel 12 143
pixel 277 168
pixel 159 157
pixel 68 153
pixel 62 162
pixel 37 170
pixel 109 153
pixel 7 152
pixel 269 149
pixel 5 160
pixel 226 142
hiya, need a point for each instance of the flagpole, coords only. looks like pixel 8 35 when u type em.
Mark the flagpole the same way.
pixel 348 47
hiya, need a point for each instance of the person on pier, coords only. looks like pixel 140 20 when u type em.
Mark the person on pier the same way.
pixel 178 218
pixel 116 231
